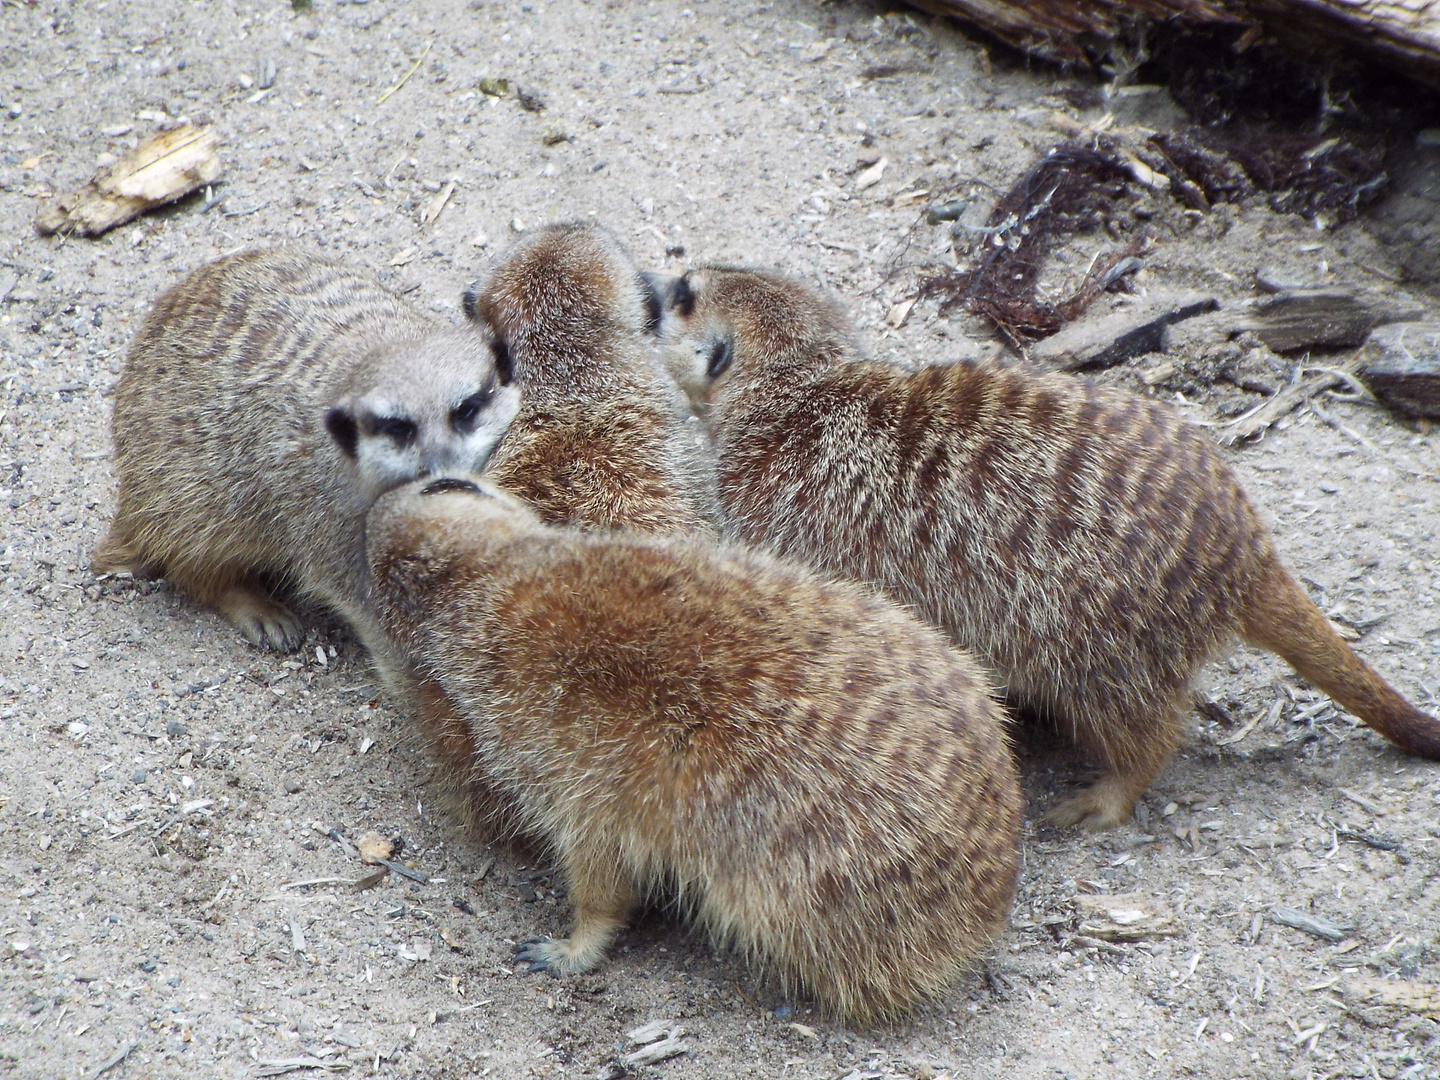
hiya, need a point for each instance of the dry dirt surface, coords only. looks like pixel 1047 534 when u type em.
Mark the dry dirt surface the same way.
pixel 177 809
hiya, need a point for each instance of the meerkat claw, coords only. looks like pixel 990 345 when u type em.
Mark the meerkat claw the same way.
pixel 531 953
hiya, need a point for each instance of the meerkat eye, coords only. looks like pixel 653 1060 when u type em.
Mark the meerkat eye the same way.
pixel 721 353
pixel 682 297
pixel 504 369
pixel 398 430
pixel 465 415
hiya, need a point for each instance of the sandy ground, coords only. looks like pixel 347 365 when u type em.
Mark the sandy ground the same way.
pixel 164 788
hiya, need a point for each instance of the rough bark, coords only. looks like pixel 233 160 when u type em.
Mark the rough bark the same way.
pixel 1401 32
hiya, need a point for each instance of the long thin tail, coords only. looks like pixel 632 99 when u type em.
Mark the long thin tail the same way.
pixel 1282 619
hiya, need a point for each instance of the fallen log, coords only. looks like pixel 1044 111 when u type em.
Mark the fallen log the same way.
pixel 1390 32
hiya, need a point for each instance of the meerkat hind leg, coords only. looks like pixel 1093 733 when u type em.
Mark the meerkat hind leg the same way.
pixel 1110 800
pixel 603 896
pixel 261 618
pixel 116 554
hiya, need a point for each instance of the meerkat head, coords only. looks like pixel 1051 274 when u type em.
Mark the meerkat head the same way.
pixel 424 534
pixel 717 322
pixel 562 299
pixel 418 408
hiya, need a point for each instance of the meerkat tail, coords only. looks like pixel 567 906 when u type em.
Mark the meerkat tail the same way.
pixel 1289 625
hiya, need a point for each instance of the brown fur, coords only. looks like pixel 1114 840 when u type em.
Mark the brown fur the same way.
pixel 228 480
pixel 1093 546
pixel 823 782
pixel 602 439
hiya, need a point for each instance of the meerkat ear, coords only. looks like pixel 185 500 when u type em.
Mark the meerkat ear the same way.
pixel 681 297
pixel 340 423
pixel 504 368
pixel 722 352
pixel 651 291
pixel 470 300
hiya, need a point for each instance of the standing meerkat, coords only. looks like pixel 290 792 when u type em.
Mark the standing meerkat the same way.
pixel 602 439
pixel 1088 542
pixel 820 779
pixel 266 401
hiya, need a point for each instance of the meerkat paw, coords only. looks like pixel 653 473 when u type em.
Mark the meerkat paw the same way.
pixel 1095 809
pixel 558 957
pixel 262 620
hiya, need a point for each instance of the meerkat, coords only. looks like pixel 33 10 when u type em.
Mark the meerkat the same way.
pixel 603 439
pixel 1089 543
pixel 266 401
pixel 823 781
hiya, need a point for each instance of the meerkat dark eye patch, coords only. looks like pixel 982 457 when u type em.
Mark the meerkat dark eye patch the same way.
pixel 504 369
pixel 343 429
pixel 466 415
pixel 470 301
pixel 682 297
pixel 397 429
pixel 721 354
pixel 450 483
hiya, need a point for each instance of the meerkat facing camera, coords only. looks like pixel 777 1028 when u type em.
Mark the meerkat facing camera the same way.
pixel 822 781
pixel 266 401
pixel 1094 547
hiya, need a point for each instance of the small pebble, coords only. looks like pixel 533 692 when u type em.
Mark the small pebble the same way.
pixel 265 73
pixel 138 776
pixel 174 728
pixel 292 787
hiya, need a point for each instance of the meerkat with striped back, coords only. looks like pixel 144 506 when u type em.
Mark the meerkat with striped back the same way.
pixel 819 779
pixel 602 440
pixel 266 401
pixel 1089 543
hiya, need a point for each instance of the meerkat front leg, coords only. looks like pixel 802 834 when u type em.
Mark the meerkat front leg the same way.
pixel 261 618
pixel 603 894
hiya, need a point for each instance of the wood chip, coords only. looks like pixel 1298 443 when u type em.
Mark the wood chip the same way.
pixel 1124 917
pixel 656 1052
pixel 437 204
pixel 649 1032
pixel 1400 364
pixel 280 1066
pixel 1298 920
pixel 1285 401
pixel 871 176
pixel 1332 317
pixel 369 881
pixel 1104 340
pixel 1360 800
pixel 163 168
pixel 1422 999
pixel 115 1058
pixel 900 312
pixel 1269 717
